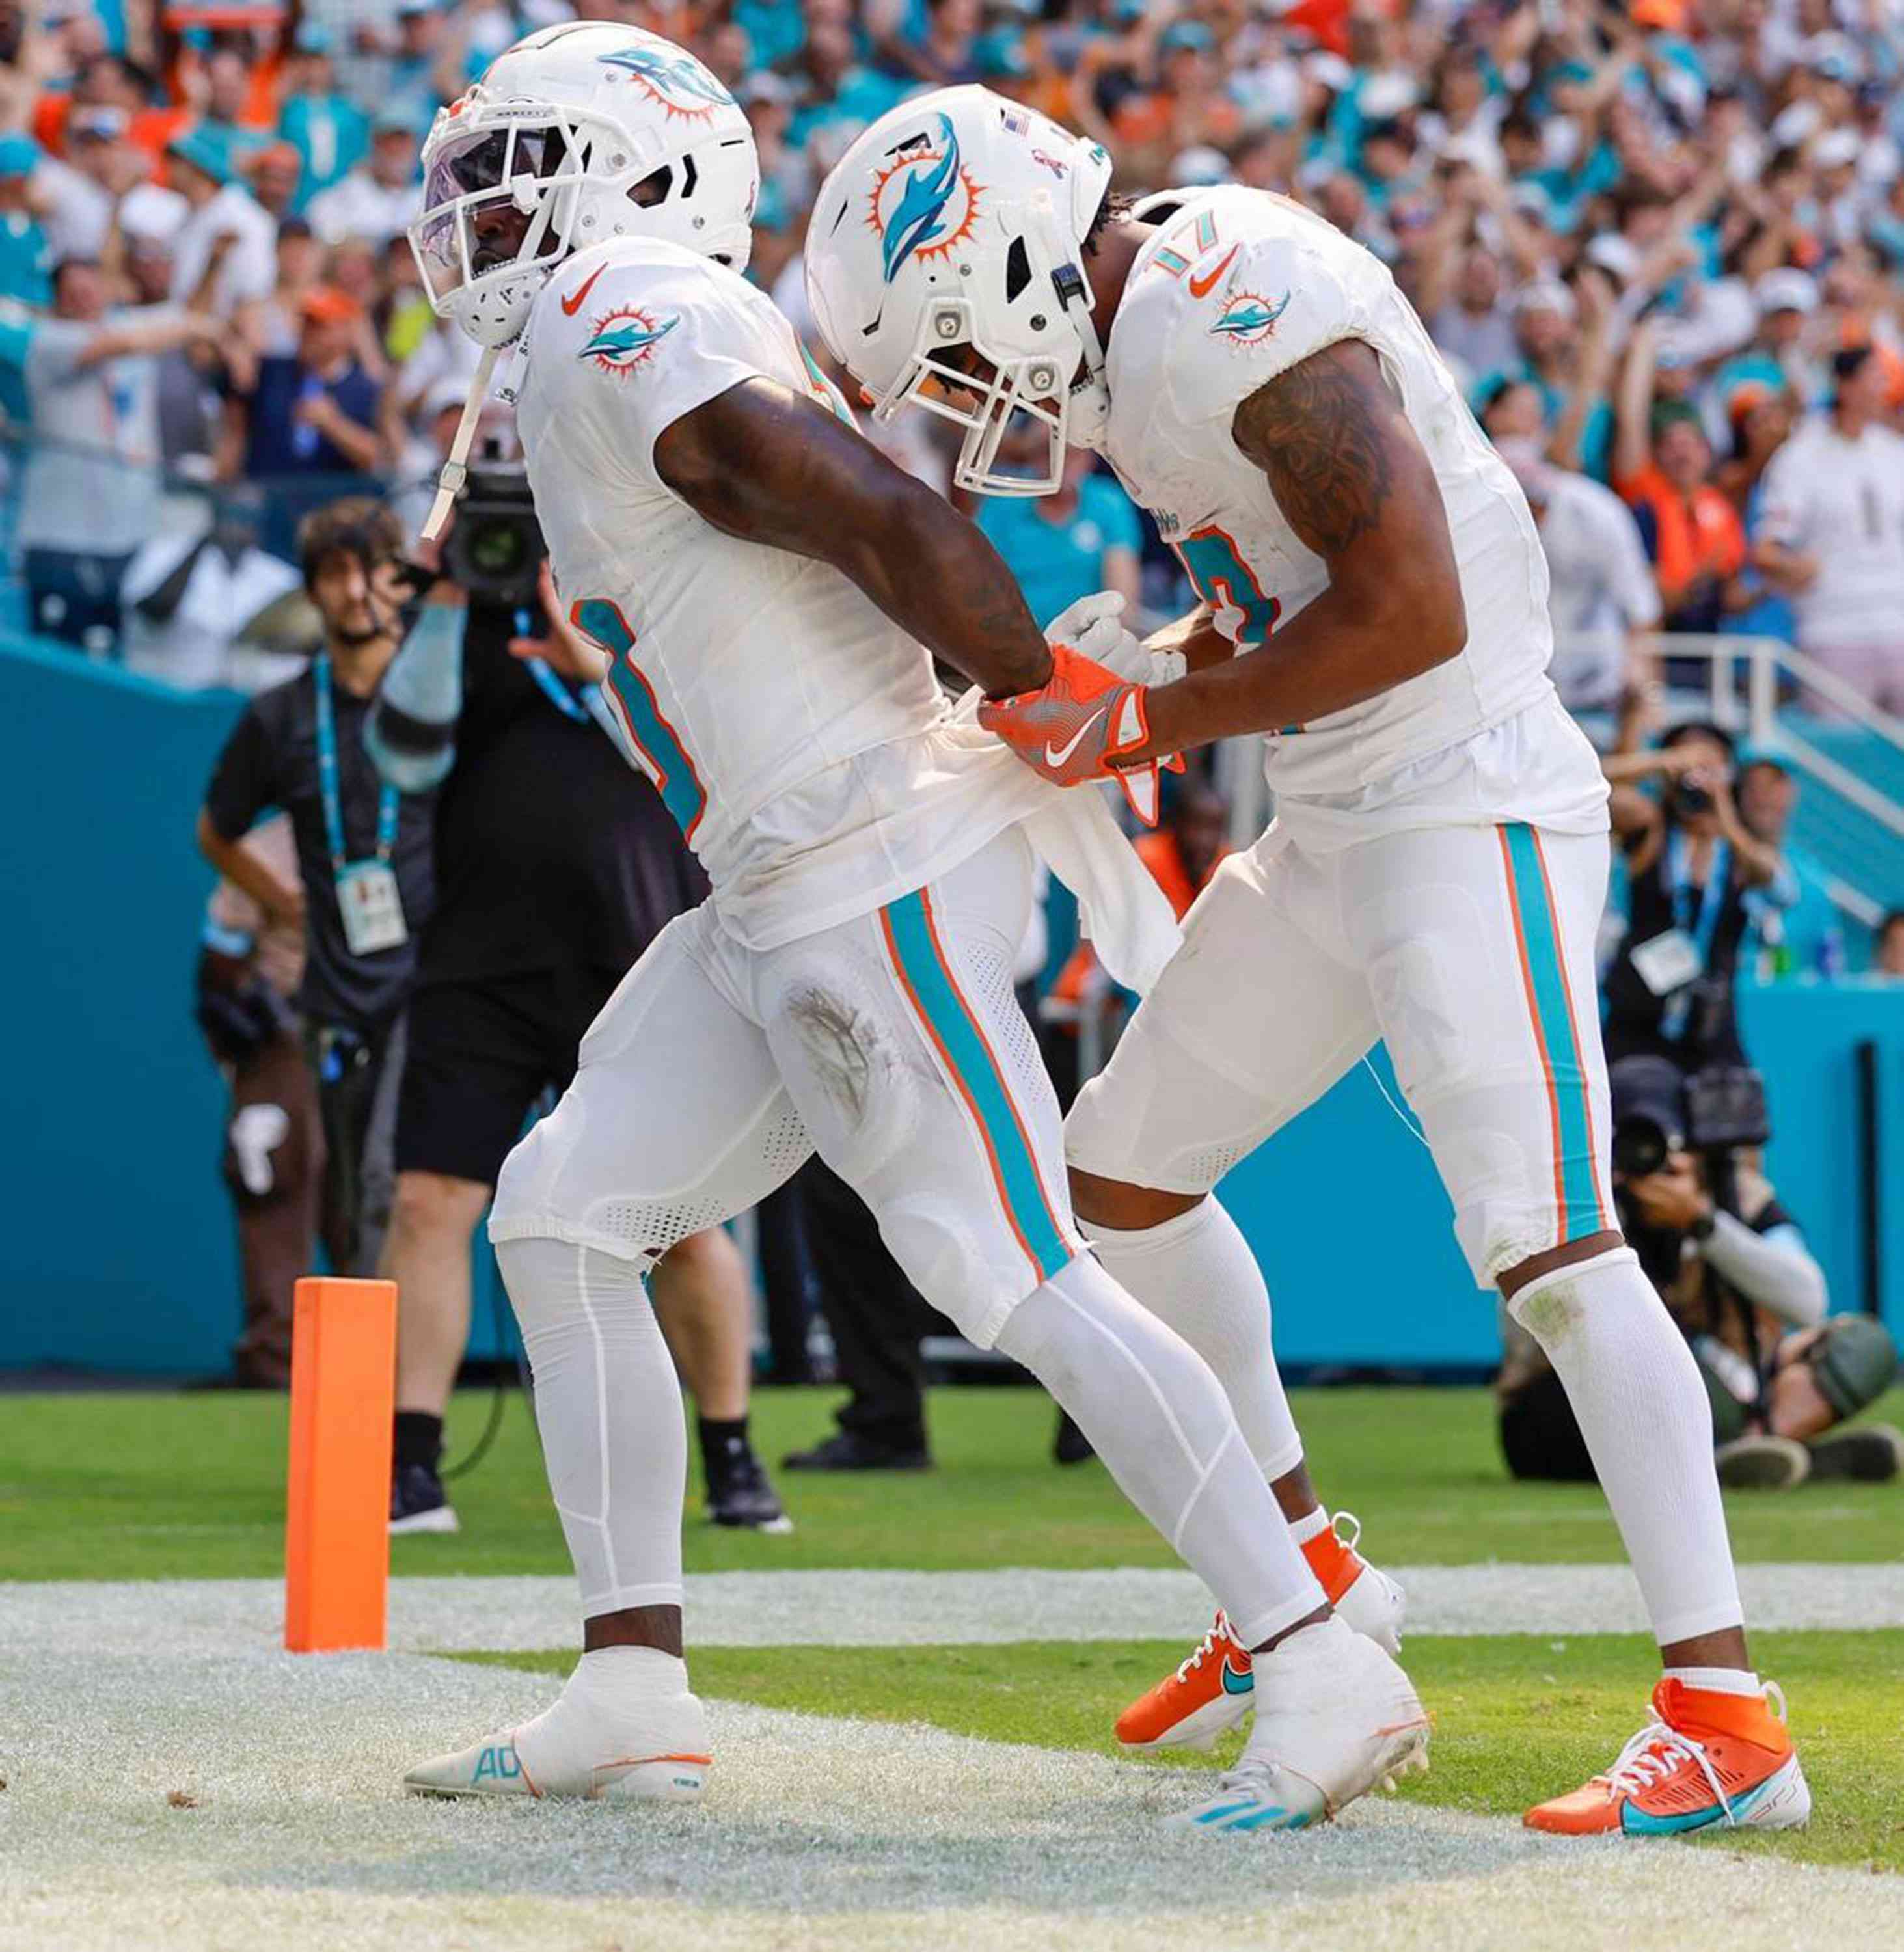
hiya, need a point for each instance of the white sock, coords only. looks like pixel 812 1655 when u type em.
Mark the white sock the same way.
pixel 1311 1524
pixel 1637 1397
pixel 1160 1420
pixel 1197 1273
pixel 609 1407
pixel 1717 1680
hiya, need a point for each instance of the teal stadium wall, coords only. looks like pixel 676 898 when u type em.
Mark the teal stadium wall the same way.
pixel 118 1254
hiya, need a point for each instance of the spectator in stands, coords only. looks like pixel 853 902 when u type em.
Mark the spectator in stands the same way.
pixel 1691 864
pixel 1474 326
pixel 274 170
pixel 271 325
pixel 82 191
pixel 1601 593
pixel 1888 961
pixel 365 853
pixel 376 200
pixel 1063 547
pixel 90 492
pixel 26 258
pixel 1661 461
pixel 1795 923
pixel 222 251
pixel 1834 534
pixel 1776 360
pixel 313 414
pixel 330 132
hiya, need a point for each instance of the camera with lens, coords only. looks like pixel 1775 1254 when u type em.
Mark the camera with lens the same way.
pixel 495 548
pixel 1689 798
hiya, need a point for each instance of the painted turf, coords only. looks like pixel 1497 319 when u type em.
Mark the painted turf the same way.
pixel 866 1609
pixel 189 1800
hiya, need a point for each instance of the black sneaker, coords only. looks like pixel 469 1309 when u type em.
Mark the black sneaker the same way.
pixel 1873 1453
pixel 418 1502
pixel 847 1450
pixel 740 1493
pixel 1761 1463
pixel 1070 1445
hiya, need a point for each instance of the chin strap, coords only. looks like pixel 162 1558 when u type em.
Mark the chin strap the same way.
pixel 449 483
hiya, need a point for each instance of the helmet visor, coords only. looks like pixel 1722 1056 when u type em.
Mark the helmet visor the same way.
pixel 486 205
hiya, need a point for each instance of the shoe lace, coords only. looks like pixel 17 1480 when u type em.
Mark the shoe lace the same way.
pixel 1210 1644
pixel 1654 1754
pixel 1347 1528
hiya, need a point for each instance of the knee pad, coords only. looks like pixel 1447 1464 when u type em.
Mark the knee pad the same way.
pixel 1853 1362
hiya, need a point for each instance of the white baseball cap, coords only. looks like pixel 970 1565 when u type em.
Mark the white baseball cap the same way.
pixel 1787 290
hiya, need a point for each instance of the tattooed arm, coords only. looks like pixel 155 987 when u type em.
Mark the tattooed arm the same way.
pixel 760 462
pixel 1352 480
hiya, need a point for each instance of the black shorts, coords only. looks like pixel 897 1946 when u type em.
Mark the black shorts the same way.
pixel 480 1054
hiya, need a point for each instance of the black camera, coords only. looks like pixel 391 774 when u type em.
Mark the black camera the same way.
pixel 495 548
pixel 1658 1109
pixel 1688 800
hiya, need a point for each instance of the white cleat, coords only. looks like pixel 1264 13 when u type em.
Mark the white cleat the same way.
pixel 630 1734
pixel 1335 1718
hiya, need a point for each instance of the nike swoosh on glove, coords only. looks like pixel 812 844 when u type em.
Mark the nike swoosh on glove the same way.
pixel 1073 728
pixel 1094 626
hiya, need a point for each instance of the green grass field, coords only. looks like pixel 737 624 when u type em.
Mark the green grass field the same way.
pixel 136 1487
pixel 1517 1715
pixel 152 1487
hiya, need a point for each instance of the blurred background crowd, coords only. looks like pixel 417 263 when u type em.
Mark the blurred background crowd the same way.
pixel 1659 242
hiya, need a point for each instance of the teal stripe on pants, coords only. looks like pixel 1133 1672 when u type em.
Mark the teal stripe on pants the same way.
pixel 1540 944
pixel 970 1055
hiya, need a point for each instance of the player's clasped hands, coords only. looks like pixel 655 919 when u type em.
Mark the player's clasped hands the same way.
pixel 1076 725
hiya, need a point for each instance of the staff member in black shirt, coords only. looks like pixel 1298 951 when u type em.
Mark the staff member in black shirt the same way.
pixel 364 851
pixel 1691 861
pixel 556 865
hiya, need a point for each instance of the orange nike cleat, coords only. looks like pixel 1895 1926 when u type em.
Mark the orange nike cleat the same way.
pixel 1209 1694
pixel 1214 1689
pixel 1709 1758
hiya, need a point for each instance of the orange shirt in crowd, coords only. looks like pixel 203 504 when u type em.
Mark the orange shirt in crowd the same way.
pixel 1697 536
pixel 1159 853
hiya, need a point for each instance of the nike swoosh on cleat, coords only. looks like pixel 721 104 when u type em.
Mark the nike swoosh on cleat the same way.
pixel 1238 1684
pixel 1056 755
pixel 572 304
pixel 1201 288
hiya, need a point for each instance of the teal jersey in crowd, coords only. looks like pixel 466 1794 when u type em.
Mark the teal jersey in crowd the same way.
pixel 1057 562
pixel 26 262
pixel 330 133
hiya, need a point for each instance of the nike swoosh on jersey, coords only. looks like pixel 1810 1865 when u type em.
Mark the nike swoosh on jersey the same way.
pixel 1201 288
pixel 1056 755
pixel 572 304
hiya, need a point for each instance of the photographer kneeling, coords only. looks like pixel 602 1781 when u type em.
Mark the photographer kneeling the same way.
pixel 1733 1270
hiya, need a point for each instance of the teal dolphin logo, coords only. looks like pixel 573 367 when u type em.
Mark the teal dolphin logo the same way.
pixel 1248 320
pixel 918 219
pixel 625 339
pixel 676 81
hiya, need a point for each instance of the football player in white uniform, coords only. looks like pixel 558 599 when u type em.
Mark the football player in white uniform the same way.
pixel 1373 599
pixel 767 586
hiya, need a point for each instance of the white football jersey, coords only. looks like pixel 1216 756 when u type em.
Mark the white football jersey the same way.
pixel 1237 285
pixel 796 733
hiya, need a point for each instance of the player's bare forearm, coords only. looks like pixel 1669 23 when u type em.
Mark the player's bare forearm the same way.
pixel 1352 480
pixel 761 462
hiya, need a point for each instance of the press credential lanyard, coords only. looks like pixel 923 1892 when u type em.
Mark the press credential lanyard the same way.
pixel 1679 872
pixel 367 891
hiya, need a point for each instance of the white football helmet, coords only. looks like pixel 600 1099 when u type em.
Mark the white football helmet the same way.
pixel 564 129
pixel 958 220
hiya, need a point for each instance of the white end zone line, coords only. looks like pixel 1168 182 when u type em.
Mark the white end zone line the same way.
pixel 200 1802
pixel 857 1608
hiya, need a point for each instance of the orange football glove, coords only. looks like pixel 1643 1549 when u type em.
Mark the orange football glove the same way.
pixel 1073 728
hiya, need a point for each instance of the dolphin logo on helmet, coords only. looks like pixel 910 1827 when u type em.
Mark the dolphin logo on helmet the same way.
pixel 669 76
pixel 915 221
